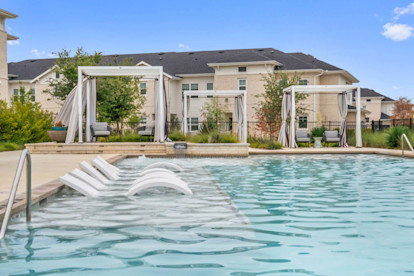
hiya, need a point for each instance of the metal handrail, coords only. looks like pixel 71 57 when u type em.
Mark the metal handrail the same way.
pixel 403 136
pixel 25 155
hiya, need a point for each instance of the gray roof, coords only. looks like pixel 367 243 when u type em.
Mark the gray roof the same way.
pixel 384 116
pixel 176 63
pixel 370 93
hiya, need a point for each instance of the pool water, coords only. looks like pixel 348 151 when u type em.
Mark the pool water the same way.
pixel 262 215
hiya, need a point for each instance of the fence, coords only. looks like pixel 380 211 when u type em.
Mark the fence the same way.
pixel 381 125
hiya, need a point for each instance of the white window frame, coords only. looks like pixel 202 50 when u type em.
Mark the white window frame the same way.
pixel 141 88
pixel 191 124
pixel 189 88
pixel 212 86
pixel 239 85
pixel 238 69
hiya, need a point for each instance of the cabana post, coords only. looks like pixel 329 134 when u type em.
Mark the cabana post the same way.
pixel 88 87
pixel 314 89
pixel 215 93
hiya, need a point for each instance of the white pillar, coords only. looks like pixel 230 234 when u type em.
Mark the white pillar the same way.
pixel 185 113
pixel 88 110
pixel 245 117
pixel 161 115
pixel 358 118
pixel 80 133
pixel 292 120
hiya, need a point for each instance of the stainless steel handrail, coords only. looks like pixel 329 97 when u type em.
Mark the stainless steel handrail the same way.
pixel 408 143
pixel 24 156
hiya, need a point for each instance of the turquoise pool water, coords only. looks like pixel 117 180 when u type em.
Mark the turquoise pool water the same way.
pixel 263 215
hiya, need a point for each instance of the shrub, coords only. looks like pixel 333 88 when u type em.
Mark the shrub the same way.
pixel 261 143
pixel 214 137
pixel 7 146
pixel 199 138
pixel 393 135
pixel 24 122
pixel 176 135
pixel 318 131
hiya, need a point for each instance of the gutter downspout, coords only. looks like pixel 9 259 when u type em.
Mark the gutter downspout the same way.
pixel 314 95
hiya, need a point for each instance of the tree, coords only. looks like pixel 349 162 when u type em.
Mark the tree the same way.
pixel 119 98
pixel 269 108
pixel 24 96
pixel 214 114
pixel 403 109
pixel 67 67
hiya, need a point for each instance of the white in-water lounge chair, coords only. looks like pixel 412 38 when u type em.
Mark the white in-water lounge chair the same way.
pixel 173 183
pixel 167 165
pixel 108 172
pixel 88 179
pixel 93 172
pixel 79 185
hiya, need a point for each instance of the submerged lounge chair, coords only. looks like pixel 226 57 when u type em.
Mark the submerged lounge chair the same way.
pixel 93 172
pixel 96 184
pixel 79 185
pixel 173 183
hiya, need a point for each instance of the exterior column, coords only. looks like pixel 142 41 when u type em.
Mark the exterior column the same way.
pixel 245 117
pixel 292 120
pixel 185 114
pixel 79 98
pixel 161 115
pixel 358 118
pixel 88 111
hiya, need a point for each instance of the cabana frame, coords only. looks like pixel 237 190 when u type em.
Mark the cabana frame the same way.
pixel 142 72
pixel 217 93
pixel 327 89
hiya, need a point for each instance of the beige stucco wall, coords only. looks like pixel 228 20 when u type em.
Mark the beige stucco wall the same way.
pixel 3 66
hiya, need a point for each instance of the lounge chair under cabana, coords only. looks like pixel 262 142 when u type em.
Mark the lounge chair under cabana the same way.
pixel 331 136
pixel 302 137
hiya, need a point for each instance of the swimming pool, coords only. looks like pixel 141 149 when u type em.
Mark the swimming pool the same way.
pixel 304 214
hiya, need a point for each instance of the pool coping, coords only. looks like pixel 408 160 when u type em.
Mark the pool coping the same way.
pixel 44 191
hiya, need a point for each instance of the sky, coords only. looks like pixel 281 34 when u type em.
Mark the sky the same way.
pixel 372 39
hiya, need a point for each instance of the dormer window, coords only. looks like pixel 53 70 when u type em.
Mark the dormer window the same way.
pixel 57 75
pixel 303 82
pixel 368 100
pixel 242 69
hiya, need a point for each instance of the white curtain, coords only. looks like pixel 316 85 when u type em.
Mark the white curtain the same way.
pixel 284 130
pixel 187 108
pixel 239 113
pixel 157 116
pixel 343 110
pixel 73 113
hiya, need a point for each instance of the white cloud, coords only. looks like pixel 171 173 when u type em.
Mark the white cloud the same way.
pixel 183 46
pixel 397 32
pixel 401 11
pixel 43 53
pixel 52 55
pixel 395 87
pixel 13 42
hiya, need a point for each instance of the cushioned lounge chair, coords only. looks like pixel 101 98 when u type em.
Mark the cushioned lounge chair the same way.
pixel 303 137
pixel 331 136
pixel 147 130
pixel 100 130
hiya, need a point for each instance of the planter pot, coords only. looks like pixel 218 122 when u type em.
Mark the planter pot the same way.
pixel 57 135
pixel 318 142
pixel 58 128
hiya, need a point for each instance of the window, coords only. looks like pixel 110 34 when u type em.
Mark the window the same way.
pixel 194 97
pixel 143 120
pixel 368 100
pixel 242 69
pixel 210 86
pixel 303 82
pixel 143 88
pixel 194 86
pixel 303 121
pixel 364 107
pixel 16 92
pixel 367 119
pixel 242 84
pixel 192 123
pixel 209 96
pixel 57 75
pixel 185 86
pixel 32 91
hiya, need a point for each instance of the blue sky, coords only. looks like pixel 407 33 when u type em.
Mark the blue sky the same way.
pixel 373 40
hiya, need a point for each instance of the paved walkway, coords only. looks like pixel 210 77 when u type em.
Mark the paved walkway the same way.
pixel 45 168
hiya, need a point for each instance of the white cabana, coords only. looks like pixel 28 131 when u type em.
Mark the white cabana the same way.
pixel 240 107
pixel 344 98
pixel 84 96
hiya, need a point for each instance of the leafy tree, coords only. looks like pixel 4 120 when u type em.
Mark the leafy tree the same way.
pixel 403 109
pixel 67 67
pixel 119 98
pixel 214 114
pixel 269 110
